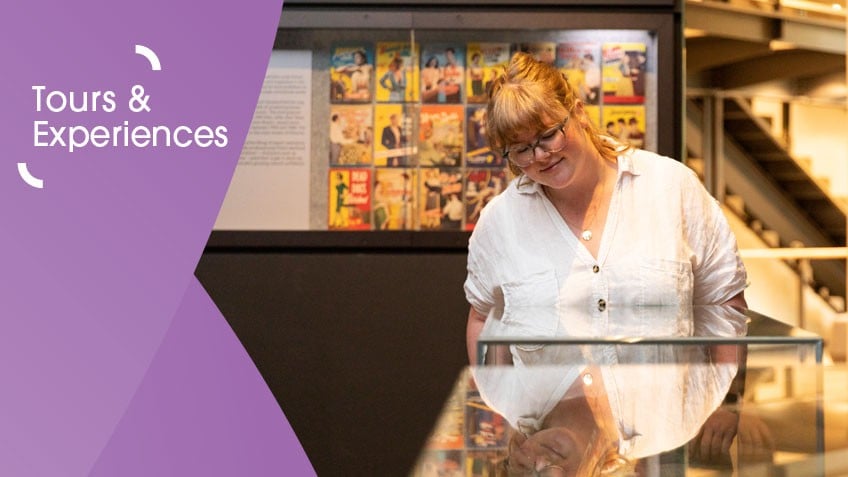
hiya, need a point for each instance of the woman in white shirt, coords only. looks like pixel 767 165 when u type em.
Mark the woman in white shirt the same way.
pixel 588 222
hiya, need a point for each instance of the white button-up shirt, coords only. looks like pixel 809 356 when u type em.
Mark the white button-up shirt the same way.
pixel 665 242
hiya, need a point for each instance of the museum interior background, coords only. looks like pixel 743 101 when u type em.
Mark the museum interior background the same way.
pixel 360 335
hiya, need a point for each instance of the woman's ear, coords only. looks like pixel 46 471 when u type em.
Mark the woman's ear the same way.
pixel 580 113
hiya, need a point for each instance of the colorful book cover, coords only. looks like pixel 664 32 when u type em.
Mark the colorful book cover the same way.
pixel 477 151
pixel 394 146
pixel 484 62
pixel 544 51
pixel 441 195
pixel 397 72
pixel 351 73
pixel 481 186
pixel 350 199
pixel 624 66
pixel 394 198
pixel 485 463
pixel 351 134
pixel 626 123
pixel 485 428
pixel 440 135
pixel 442 73
pixel 439 463
pixel 579 61
pixel 449 432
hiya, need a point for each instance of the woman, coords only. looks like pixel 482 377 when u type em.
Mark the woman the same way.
pixel 588 222
pixel 394 80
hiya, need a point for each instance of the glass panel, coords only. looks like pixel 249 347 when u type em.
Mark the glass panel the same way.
pixel 654 391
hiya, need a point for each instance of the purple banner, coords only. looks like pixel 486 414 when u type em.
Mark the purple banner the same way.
pixel 121 127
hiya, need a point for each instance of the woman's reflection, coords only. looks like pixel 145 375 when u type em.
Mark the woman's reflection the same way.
pixel 599 409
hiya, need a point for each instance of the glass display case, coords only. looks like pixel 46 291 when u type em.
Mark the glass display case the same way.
pixel 660 391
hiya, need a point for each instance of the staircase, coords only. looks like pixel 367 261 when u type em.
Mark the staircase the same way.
pixel 782 199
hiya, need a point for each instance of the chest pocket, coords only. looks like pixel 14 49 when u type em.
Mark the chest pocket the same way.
pixel 664 283
pixel 531 305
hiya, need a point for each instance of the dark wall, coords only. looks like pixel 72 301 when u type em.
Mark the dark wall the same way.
pixel 361 347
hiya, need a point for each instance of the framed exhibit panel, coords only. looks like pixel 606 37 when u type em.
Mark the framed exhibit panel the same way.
pixel 372 119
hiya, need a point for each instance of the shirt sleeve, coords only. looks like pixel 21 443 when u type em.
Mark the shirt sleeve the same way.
pixel 479 283
pixel 718 269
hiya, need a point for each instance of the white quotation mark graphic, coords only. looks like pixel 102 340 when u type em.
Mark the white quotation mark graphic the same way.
pixel 150 55
pixel 155 65
pixel 29 178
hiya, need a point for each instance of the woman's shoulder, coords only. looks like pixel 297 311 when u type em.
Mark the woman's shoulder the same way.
pixel 656 165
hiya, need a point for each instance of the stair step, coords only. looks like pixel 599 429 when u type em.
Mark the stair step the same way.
pixel 771 238
pixel 736 203
pixel 697 165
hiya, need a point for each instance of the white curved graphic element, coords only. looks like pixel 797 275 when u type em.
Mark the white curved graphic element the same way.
pixel 29 178
pixel 150 55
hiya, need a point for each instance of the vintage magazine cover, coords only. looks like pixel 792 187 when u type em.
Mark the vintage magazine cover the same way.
pixel 450 428
pixel 481 186
pixel 440 135
pixel 485 463
pixel 351 73
pixel 485 428
pixel 439 463
pixel 484 60
pixel 394 139
pixel 350 199
pixel 579 60
pixel 441 199
pixel 442 73
pixel 544 51
pixel 395 198
pixel 397 72
pixel 477 152
pixel 626 123
pixel 624 66
pixel 351 134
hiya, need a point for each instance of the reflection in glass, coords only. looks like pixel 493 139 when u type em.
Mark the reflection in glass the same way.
pixel 648 391
pixel 597 409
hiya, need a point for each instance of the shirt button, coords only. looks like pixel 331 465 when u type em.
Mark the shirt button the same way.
pixel 602 305
pixel 596 269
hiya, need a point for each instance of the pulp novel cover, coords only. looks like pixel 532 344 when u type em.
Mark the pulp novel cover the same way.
pixel 477 151
pixel 394 140
pixel 439 463
pixel 350 199
pixel 442 73
pixel 395 198
pixel 441 199
pixel 485 428
pixel 351 134
pixel 483 62
pixel 351 73
pixel 544 51
pixel 580 61
pixel 440 135
pixel 397 72
pixel 626 123
pixel 481 186
pixel 624 66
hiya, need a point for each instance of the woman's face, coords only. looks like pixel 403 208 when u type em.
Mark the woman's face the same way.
pixel 559 170
pixel 556 451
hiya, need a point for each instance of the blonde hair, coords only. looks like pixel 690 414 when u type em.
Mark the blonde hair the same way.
pixel 525 96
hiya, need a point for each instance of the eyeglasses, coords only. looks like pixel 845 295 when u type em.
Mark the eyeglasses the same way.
pixel 522 155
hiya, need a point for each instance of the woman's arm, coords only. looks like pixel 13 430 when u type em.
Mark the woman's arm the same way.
pixel 737 301
pixel 476 321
